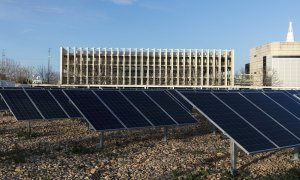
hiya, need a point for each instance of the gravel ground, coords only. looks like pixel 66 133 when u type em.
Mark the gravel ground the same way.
pixel 67 149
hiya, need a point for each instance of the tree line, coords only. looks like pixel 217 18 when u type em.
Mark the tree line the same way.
pixel 15 71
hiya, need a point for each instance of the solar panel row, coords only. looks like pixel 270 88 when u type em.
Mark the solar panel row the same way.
pixel 109 110
pixel 31 104
pixel 256 121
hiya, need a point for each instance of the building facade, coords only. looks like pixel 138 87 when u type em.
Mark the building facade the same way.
pixel 148 67
pixel 276 63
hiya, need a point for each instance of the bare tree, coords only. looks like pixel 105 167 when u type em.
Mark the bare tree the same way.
pixel 269 78
pixel 51 77
pixel 14 71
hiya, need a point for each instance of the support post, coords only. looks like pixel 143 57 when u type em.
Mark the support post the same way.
pixel 214 130
pixel 233 157
pixel 296 153
pixel 165 134
pixel 101 139
pixel 29 128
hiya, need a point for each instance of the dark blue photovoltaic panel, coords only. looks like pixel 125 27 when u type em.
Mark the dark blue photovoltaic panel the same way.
pixel 65 103
pixel 179 114
pixel 123 109
pixel 20 105
pixel 3 106
pixel 183 102
pixel 46 104
pixel 291 93
pixel 148 108
pixel 94 110
pixel 286 102
pixel 277 112
pixel 245 135
pixel 258 119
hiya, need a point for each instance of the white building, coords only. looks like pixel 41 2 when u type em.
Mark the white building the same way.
pixel 276 63
pixel 155 67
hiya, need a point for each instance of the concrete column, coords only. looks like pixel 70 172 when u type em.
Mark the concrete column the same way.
pixel 214 67
pixel 196 67
pixel 93 69
pixel 190 68
pixel 87 66
pixel 202 67
pixel 178 66
pixel 81 70
pixel 207 68
pixel 99 67
pixel 68 65
pixel 226 67
pixel 130 65
pixel 136 75
pixel 232 68
pixel 184 83
pixel 160 66
pixel 105 65
pixel 75 64
pixel 118 66
pixel 148 66
pixel 172 69
pixel 154 64
pixel 111 65
pixel 123 74
pixel 142 67
pixel 166 66
pixel 220 68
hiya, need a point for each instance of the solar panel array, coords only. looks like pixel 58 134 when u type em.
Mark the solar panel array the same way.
pixel 256 121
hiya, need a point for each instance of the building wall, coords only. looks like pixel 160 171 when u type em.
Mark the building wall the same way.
pixel 161 67
pixel 275 65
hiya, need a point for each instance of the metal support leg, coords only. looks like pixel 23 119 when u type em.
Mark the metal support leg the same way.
pixel 296 153
pixel 101 139
pixel 165 134
pixel 233 157
pixel 214 130
pixel 29 128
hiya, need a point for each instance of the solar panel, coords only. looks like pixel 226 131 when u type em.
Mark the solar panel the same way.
pixel 262 122
pixel 20 105
pixel 179 114
pixel 181 100
pixel 289 121
pixel 46 104
pixel 154 113
pixel 93 110
pixel 3 106
pixel 125 111
pixel 249 139
pixel 286 102
pixel 65 103
pixel 290 94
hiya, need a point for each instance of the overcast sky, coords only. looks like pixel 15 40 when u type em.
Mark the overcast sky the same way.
pixel 30 27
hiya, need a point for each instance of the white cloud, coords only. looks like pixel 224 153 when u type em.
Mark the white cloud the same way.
pixel 123 2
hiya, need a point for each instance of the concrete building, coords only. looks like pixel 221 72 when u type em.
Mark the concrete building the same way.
pixel 148 67
pixel 276 63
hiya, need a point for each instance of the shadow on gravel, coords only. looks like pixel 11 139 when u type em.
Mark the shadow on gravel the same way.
pixel 257 160
pixel 293 173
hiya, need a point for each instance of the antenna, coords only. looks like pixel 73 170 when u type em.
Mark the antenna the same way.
pixel 49 66
pixel 3 54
